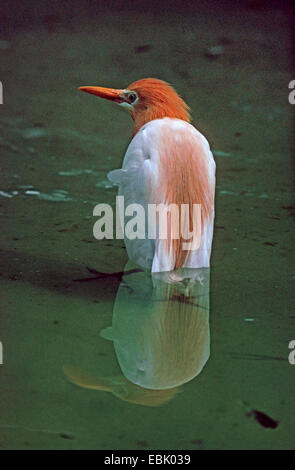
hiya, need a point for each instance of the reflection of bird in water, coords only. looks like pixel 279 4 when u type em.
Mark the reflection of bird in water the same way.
pixel 120 387
pixel 160 331
pixel 160 325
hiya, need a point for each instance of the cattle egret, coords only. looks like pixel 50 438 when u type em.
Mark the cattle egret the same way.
pixel 169 163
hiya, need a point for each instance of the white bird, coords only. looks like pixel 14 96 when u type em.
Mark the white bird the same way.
pixel 168 162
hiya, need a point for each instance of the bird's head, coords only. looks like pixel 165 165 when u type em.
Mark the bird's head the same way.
pixel 145 99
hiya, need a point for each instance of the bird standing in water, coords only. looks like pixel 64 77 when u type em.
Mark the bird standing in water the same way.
pixel 160 325
pixel 167 162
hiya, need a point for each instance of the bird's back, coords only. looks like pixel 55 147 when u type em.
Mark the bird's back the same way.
pixel 169 162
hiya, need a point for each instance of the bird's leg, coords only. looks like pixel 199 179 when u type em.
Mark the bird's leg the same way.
pixel 100 275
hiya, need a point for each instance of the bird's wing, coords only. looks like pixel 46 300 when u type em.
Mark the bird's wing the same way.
pixel 134 180
pixel 168 161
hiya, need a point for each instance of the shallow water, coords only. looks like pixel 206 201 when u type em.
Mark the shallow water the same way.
pixel 57 146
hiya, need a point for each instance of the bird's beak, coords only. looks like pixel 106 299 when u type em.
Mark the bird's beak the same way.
pixel 107 93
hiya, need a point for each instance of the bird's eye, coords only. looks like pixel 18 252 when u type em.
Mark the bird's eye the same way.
pixel 132 97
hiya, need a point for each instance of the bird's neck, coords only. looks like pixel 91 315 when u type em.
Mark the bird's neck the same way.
pixel 147 114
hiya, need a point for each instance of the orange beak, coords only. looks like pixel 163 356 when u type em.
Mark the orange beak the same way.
pixel 107 93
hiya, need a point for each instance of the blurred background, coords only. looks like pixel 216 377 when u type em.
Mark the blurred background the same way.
pixel 232 63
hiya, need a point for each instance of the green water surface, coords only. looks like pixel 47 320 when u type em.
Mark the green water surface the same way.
pixel 57 146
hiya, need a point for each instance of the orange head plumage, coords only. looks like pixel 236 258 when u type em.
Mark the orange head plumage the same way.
pixel 146 100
